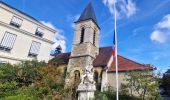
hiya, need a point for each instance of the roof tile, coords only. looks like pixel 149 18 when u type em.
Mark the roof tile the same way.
pixel 125 64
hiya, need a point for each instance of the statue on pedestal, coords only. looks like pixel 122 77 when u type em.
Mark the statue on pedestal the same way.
pixel 87 86
pixel 88 76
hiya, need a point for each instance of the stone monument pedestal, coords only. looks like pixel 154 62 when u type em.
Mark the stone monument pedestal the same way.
pixel 86 91
pixel 87 86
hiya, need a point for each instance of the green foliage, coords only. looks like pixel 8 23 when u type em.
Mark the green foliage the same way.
pixel 31 80
pixel 8 73
pixel 101 96
pixel 124 89
pixel 28 72
pixel 7 88
pixel 14 77
pixel 110 95
pixel 51 80
pixel 166 83
pixel 143 83
pixel 24 94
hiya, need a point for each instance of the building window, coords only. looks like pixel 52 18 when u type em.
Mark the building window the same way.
pixel 76 76
pixel 8 41
pixel 39 32
pixel 3 62
pixel 82 35
pixel 94 37
pixel 34 49
pixel 16 22
pixel 95 76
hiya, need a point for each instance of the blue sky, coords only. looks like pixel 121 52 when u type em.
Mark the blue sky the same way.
pixel 143 25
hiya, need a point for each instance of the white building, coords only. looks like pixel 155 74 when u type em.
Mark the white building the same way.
pixel 22 37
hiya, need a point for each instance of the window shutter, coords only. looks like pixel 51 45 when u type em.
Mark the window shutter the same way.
pixel 8 40
pixel 35 47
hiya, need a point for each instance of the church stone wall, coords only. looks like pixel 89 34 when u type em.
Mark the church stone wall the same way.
pixel 78 64
pixel 84 49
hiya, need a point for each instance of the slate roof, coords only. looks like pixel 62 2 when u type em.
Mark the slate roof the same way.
pixel 1 2
pixel 103 58
pixel 59 47
pixel 88 13
pixel 64 56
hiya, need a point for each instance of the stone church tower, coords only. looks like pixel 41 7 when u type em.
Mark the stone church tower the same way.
pixel 85 46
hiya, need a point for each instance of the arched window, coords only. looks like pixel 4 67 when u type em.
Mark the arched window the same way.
pixel 65 71
pixel 82 35
pixel 76 75
pixel 94 37
pixel 96 76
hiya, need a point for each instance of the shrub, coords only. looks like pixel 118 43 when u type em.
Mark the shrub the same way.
pixel 24 94
pixel 14 77
pixel 112 96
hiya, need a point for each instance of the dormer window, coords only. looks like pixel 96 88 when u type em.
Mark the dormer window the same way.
pixel 17 22
pixel 82 35
pixel 39 32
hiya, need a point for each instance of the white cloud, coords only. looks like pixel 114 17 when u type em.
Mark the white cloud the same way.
pixel 62 43
pixel 130 8
pixel 72 19
pixel 59 38
pixel 162 30
pixel 125 8
pixel 165 23
pixel 49 24
pixel 158 36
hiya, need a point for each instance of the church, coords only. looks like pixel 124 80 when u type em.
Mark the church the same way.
pixel 86 51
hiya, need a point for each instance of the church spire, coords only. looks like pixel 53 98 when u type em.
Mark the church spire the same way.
pixel 88 13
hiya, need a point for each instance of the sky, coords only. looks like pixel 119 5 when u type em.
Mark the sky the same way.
pixel 143 26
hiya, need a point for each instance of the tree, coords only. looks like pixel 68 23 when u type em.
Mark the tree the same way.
pixel 8 76
pixel 13 78
pixel 27 72
pixel 166 82
pixel 143 83
pixel 33 80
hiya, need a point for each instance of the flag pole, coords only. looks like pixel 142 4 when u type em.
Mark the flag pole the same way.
pixel 116 63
